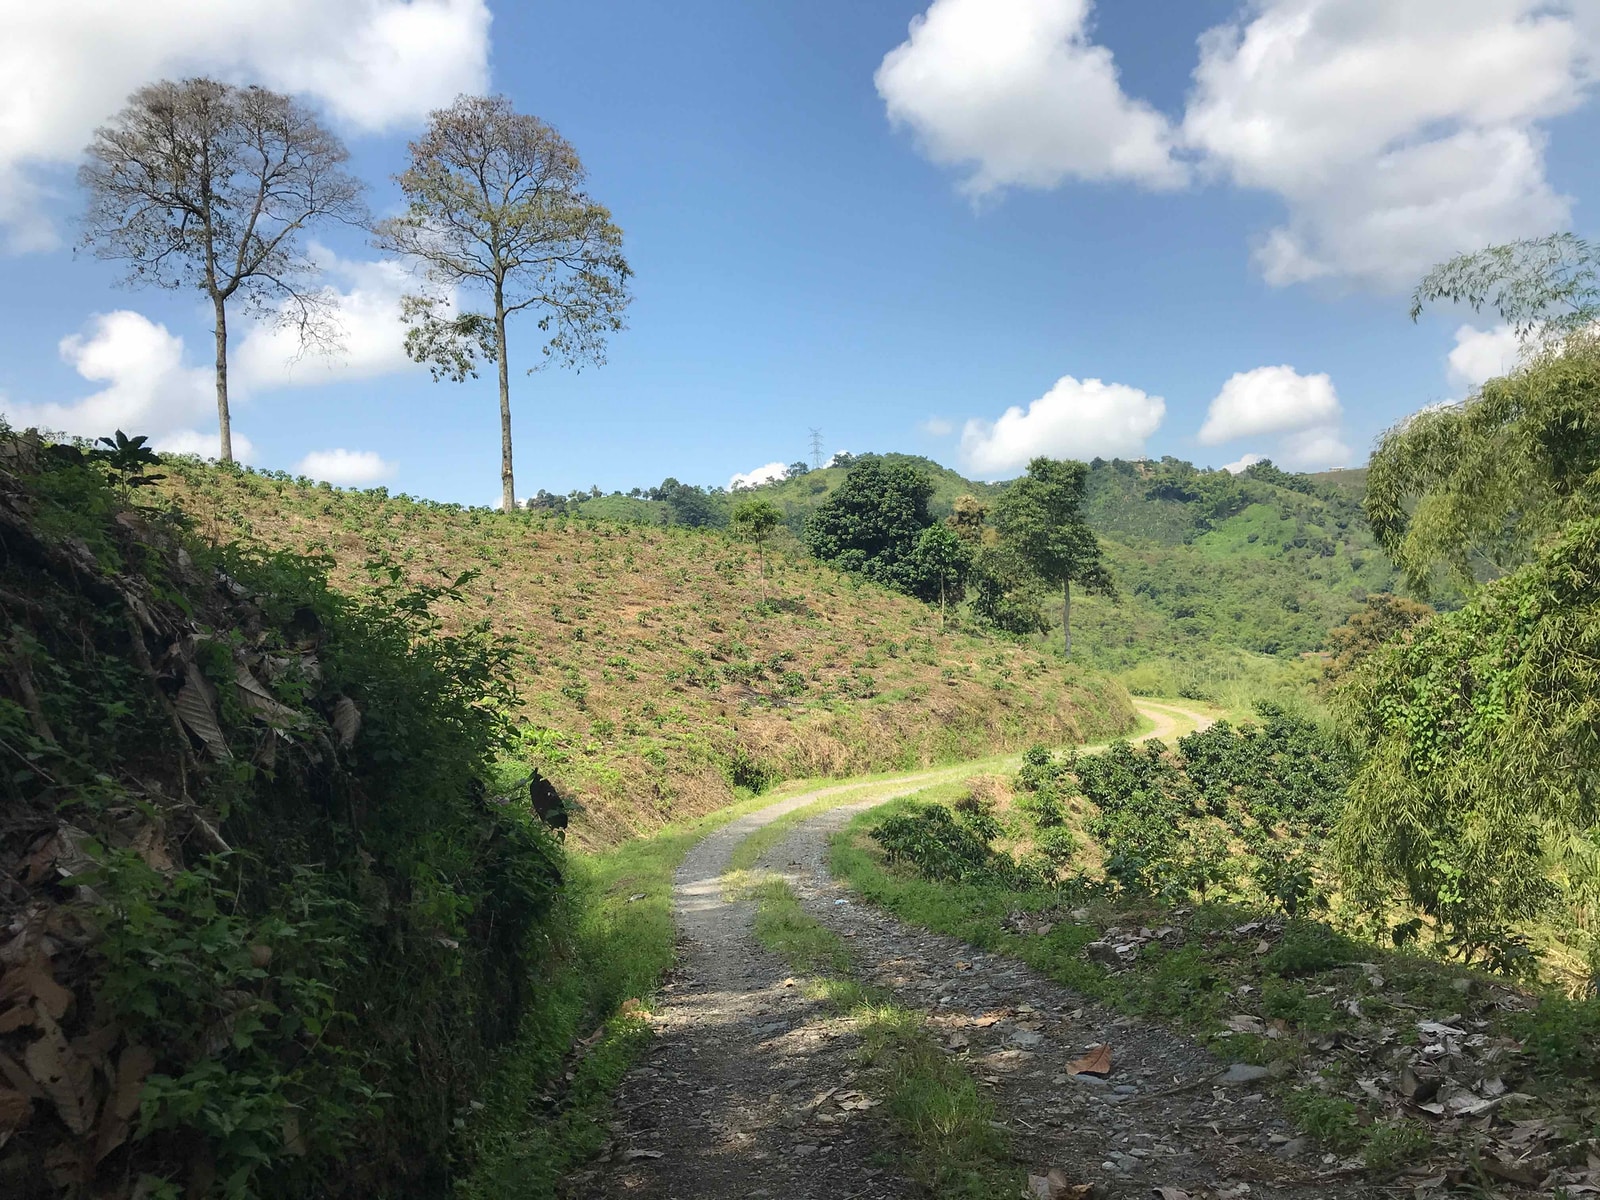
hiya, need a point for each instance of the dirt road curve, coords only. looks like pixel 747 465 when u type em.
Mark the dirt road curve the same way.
pixel 739 1096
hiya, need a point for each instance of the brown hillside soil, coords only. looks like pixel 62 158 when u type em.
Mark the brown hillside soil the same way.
pixel 660 671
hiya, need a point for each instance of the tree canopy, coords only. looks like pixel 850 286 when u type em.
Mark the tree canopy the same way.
pixel 1379 621
pixel 873 522
pixel 1041 515
pixel 1478 798
pixel 495 203
pixel 1481 751
pixel 205 185
pixel 1547 286
pixel 1470 488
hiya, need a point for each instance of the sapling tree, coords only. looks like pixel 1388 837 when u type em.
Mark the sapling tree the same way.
pixel 1041 516
pixel 205 185
pixel 755 520
pixel 495 204
pixel 939 565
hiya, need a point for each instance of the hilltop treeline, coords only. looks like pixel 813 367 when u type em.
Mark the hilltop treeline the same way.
pixel 1215 573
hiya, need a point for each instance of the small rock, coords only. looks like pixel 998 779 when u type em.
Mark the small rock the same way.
pixel 1244 1073
pixel 1125 1089
pixel 1294 1147
pixel 1104 953
pixel 1026 1038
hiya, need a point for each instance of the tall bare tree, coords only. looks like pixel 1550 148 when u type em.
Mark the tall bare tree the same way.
pixel 206 185
pixel 496 205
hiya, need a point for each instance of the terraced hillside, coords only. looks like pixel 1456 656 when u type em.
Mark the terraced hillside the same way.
pixel 659 672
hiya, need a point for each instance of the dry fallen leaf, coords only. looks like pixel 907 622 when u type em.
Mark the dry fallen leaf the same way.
pixel 1095 1062
pixel 32 980
pixel 197 708
pixel 149 845
pixel 14 1109
pixel 1055 1186
pixel 133 1068
pixel 66 1079
pixel 346 721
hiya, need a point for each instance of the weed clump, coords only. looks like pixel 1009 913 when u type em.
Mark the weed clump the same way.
pixel 1563 1035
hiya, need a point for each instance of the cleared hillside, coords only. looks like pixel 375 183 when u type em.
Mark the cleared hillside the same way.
pixel 656 676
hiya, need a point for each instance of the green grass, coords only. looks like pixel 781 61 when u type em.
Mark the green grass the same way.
pixel 953 1146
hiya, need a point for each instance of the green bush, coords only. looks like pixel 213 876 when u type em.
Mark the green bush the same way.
pixel 1332 1120
pixel 1562 1035
pixel 1307 947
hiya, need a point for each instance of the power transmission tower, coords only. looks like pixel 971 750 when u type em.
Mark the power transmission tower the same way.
pixel 816 449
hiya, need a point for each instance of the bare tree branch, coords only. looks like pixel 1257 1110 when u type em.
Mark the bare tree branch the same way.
pixel 496 205
pixel 205 185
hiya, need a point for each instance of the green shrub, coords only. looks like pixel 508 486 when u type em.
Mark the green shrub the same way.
pixel 1332 1120
pixel 1308 947
pixel 1398 1143
pixel 1562 1035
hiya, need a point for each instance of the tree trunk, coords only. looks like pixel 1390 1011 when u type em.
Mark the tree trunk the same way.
pixel 1066 615
pixel 941 603
pixel 508 491
pixel 224 424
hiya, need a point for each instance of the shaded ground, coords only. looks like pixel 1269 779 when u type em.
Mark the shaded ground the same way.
pixel 1168 1115
pixel 751 1089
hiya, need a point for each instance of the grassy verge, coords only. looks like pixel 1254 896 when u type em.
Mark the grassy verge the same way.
pixel 953 1144
pixel 533 1125
pixel 1316 998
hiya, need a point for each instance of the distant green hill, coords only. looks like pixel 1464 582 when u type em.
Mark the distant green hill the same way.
pixel 1209 565
pixel 1220 576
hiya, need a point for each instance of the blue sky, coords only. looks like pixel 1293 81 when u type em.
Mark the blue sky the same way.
pixel 1025 196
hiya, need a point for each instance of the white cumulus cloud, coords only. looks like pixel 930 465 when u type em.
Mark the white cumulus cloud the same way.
pixel 1481 354
pixel 1016 92
pixel 1243 463
pixel 1269 400
pixel 67 65
pixel 1077 418
pixel 348 468
pixel 366 315
pixel 937 427
pixel 1319 448
pixel 1396 134
pixel 1302 409
pixel 148 388
pixel 769 473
